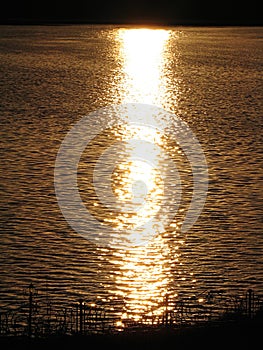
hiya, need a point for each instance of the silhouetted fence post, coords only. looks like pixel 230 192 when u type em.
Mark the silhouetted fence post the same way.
pixel 80 316
pixel 166 303
pixel 30 309
pixel 250 298
pixel 77 319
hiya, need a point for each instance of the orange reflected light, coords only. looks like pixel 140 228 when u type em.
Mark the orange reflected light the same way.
pixel 142 51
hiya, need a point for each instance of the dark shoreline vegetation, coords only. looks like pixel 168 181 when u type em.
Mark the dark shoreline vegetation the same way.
pixel 238 334
pixel 238 324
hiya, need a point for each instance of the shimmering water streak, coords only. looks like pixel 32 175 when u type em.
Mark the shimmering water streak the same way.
pixel 142 220
pixel 144 279
pixel 144 272
pixel 141 52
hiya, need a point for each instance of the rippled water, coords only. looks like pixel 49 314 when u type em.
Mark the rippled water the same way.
pixel 53 76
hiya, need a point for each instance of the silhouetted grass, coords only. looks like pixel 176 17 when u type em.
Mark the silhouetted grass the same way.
pixel 234 334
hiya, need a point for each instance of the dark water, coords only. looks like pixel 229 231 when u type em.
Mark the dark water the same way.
pixel 53 76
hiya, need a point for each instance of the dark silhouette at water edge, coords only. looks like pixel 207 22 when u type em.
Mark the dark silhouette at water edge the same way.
pixel 234 322
pixel 245 334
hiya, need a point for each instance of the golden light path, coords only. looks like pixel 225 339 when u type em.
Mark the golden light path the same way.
pixel 142 53
pixel 145 274
pixel 137 181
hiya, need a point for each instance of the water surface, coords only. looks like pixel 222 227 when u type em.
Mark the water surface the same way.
pixel 52 76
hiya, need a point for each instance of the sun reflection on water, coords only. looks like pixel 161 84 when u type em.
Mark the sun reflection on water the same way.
pixel 143 281
pixel 137 183
pixel 145 274
pixel 142 54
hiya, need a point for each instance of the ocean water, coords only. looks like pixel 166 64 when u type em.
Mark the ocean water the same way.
pixel 53 76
